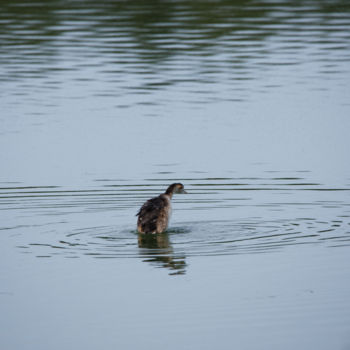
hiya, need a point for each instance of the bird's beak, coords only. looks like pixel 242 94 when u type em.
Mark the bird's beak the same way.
pixel 183 191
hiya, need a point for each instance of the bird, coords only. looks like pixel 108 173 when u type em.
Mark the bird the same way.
pixel 154 215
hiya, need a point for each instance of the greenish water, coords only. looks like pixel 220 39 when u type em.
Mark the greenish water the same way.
pixel 104 104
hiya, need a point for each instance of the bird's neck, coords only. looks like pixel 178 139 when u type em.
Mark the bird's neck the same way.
pixel 169 194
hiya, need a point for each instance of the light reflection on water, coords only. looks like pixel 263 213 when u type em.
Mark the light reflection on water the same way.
pixel 104 103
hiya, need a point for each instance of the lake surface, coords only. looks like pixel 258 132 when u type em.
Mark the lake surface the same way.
pixel 104 104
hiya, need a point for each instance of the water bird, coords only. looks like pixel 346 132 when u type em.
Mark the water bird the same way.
pixel 154 215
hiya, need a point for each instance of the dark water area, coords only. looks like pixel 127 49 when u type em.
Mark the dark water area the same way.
pixel 104 104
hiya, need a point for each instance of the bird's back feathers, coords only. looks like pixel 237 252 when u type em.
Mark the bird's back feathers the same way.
pixel 153 215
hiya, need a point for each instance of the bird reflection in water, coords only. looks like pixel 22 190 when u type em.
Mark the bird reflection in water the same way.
pixel 159 252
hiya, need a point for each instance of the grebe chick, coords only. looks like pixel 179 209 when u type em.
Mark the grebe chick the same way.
pixel 154 215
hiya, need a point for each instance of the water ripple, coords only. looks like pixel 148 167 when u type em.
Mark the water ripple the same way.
pixel 147 48
pixel 242 216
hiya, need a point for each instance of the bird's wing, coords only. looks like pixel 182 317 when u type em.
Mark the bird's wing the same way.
pixel 151 208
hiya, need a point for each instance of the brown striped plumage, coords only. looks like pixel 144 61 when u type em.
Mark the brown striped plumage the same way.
pixel 154 215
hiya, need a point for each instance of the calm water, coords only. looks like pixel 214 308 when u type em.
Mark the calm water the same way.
pixel 104 104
